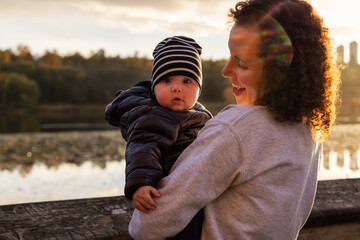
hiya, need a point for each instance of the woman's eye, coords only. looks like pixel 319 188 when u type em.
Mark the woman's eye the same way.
pixel 240 63
pixel 242 66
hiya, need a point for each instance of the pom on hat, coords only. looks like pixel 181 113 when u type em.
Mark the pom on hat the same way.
pixel 177 55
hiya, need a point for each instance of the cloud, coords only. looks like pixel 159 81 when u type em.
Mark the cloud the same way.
pixel 137 16
pixel 161 5
pixel 180 16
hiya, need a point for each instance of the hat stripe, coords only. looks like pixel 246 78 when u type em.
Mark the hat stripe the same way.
pixel 175 41
pixel 193 67
pixel 174 70
pixel 185 58
pixel 176 47
pixel 176 51
pixel 185 39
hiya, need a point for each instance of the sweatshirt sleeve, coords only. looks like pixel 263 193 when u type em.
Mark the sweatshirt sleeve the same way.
pixel 149 137
pixel 201 174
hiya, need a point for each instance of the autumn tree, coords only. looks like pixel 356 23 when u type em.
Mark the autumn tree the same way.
pixel 74 60
pixel 5 56
pixel 24 53
pixel 51 58
pixel 16 90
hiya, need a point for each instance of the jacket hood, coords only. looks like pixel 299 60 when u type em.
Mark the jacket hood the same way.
pixel 138 95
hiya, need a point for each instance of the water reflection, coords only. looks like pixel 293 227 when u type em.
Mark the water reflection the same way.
pixel 85 164
pixel 70 181
pixel 19 122
pixel 337 165
pixel 60 165
pixel 53 118
pixel 66 181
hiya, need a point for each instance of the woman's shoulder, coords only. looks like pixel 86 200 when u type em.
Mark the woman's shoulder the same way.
pixel 242 113
pixel 257 120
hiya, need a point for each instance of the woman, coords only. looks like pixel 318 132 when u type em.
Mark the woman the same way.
pixel 253 167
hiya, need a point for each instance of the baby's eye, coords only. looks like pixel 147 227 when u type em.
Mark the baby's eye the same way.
pixel 187 81
pixel 166 80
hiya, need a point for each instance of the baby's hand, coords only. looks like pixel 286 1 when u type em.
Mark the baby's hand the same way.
pixel 142 198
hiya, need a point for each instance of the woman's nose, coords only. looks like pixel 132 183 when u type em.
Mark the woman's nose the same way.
pixel 227 69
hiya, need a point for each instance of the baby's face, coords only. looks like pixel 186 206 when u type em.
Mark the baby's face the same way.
pixel 178 93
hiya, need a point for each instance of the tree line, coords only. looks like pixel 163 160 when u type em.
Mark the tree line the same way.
pixel 26 81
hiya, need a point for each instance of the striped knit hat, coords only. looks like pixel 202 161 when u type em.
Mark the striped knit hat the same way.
pixel 177 55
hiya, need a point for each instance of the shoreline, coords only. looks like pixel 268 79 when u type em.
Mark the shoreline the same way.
pixel 99 146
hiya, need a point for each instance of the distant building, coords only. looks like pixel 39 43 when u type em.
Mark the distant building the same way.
pixel 353 53
pixel 340 53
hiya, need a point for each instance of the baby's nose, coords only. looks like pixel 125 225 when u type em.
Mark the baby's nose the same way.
pixel 176 87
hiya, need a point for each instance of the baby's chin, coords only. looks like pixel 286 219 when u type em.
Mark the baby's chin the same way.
pixel 180 108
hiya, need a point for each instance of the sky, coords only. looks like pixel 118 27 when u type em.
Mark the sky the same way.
pixel 126 27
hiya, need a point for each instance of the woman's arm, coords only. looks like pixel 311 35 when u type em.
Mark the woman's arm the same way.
pixel 201 174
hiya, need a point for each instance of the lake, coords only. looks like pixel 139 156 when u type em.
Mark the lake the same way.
pixel 46 166
pixel 48 118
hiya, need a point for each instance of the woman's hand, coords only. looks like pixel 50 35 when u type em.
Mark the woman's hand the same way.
pixel 142 199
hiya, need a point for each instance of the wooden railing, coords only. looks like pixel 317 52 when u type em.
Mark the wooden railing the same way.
pixel 335 215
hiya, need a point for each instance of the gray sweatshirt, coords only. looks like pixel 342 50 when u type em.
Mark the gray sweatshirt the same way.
pixel 255 178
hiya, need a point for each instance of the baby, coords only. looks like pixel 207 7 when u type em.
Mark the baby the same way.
pixel 159 119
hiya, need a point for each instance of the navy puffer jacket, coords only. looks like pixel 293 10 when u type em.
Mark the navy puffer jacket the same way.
pixel 155 135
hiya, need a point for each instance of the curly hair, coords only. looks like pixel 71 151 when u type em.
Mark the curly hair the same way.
pixel 303 79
